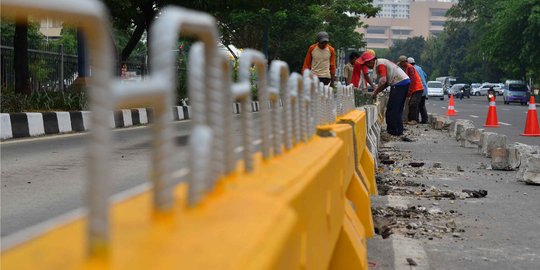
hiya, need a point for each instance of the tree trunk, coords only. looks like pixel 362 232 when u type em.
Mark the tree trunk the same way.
pixel 132 43
pixel 20 57
pixel 149 14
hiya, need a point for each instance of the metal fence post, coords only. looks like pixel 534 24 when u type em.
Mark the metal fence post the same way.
pixel 61 67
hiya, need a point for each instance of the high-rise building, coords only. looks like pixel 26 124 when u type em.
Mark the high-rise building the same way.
pixel 421 18
pixel 396 9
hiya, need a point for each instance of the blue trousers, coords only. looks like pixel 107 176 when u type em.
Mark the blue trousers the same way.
pixel 394 109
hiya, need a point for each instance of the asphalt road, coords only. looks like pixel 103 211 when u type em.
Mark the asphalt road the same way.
pixel 45 177
pixel 512 117
pixel 499 231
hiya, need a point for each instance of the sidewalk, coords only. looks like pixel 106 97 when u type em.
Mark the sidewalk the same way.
pixel 427 219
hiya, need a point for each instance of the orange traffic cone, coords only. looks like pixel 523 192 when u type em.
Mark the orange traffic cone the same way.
pixel 491 120
pixel 451 110
pixel 531 126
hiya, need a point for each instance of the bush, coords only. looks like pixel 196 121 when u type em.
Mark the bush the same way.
pixel 12 102
pixel 361 98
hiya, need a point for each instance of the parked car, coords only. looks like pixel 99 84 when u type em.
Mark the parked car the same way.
pixel 482 91
pixel 474 89
pixel 435 89
pixel 515 91
pixel 460 90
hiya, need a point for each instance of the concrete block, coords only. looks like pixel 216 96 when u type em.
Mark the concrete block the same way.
pixel 472 137
pixel 482 144
pixel 461 126
pixel 493 142
pixel 529 171
pixel 504 159
pixel 441 122
pixel 431 118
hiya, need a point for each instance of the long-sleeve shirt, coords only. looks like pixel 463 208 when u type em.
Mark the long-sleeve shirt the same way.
pixel 423 77
pixel 358 71
pixel 322 62
pixel 416 82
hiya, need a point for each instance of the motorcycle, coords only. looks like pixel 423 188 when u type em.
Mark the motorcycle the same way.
pixel 491 94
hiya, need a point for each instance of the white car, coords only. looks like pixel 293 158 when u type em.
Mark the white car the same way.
pixel 435 89
pixel 482 90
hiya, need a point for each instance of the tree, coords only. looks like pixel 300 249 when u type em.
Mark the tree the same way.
pixel 20 57
pixel 411 47
pixel 133 18
pixel 513 36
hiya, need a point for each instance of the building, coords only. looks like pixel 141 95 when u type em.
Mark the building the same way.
pixel 50 28
pixel 423 18
pixel 395 9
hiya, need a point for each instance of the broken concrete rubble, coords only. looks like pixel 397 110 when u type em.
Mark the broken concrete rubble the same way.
pixel 529 171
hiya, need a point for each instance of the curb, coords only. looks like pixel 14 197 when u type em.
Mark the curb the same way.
pixel 31 124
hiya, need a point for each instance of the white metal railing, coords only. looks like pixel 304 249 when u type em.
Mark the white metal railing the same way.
pixel 306 104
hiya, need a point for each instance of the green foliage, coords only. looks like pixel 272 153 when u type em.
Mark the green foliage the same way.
pixel 411 47
pixel 361 99
pixel 489 40
pixel 42 101
pixel 7 32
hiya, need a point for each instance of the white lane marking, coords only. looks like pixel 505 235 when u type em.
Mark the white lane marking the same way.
pixel 473 116
pixel 406 247
pixel 505 109
pixel 443 107
pixel 505 124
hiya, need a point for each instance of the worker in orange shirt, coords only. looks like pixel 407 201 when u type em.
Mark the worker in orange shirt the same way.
pixel 360 76
pixel 321 59
pixel 416 88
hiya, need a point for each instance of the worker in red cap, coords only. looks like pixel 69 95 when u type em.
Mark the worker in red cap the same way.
pixel 360 76
pixel 389 74
pixel 321 59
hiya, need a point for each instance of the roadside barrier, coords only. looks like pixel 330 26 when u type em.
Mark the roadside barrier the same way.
pixel 300 202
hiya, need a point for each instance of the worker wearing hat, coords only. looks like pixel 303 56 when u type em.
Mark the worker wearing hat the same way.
pixel 321 59
pixel 360 77
pixel 424 78
pixel 415 90
pixel 389 74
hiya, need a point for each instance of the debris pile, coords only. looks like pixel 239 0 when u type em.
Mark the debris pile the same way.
pixel 417 222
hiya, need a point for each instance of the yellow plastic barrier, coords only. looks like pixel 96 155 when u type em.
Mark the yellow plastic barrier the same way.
pixel 230 230
pixel 289 213
pixel 310 178
pixel 355 190
pixel 366 164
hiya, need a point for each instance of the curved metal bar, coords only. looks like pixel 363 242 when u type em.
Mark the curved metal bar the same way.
pixel 206 97
pixel 294 83
pixel 228 140
pixel 248 58
pixel 307 105
pixel 279 74
pixel 93 18
pixel 241 92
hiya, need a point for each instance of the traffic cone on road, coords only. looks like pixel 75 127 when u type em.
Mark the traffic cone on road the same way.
pixel 451 110
pixel 531 126
pixel 492 120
